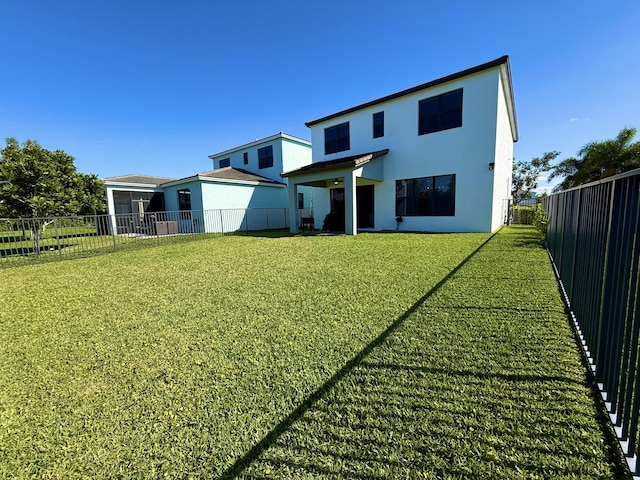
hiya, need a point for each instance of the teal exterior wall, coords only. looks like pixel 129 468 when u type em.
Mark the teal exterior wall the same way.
pixel 219 195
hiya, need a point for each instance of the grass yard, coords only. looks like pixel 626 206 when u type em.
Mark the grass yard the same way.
pixel 375 356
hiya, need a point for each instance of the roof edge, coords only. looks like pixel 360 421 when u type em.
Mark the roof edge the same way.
pixel 259 141
pixel 454 76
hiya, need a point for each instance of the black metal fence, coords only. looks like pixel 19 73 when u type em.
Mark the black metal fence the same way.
pixel 34 240
pixel 592 236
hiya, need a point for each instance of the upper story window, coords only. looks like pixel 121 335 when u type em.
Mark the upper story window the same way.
pixel 336 138
pixel 245 158
pixel 265 157
pixel 426 196
pixel 378 125
pixel 441 112
pixel 225 162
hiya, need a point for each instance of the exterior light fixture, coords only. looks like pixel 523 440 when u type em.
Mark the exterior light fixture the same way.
pixel 336 181
pixel 491 165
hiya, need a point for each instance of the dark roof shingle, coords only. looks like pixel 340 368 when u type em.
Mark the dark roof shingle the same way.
pixel 350 161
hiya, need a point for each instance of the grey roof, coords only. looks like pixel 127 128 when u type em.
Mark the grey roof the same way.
pixel 137 178
pixel 350 161
pixel 226 174
pixel 231 173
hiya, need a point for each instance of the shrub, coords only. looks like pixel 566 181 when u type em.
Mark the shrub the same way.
pixel 523 215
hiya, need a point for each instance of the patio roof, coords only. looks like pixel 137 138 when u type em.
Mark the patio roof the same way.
pixel 351 161
pixel 134 178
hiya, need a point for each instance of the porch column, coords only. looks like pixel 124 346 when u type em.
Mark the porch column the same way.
pixel 350 212
pixel 293 206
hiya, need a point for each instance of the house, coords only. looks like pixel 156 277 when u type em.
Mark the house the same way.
pixel 436 157
pixel 243 178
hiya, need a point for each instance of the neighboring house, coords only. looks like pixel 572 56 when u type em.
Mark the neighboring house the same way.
pixel 246 177
pixel 135 195
pixel 436 157
pixel 269 157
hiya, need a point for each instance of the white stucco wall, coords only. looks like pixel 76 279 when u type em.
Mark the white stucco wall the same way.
pixel 465 151
pixel 294 154
pixel 503 160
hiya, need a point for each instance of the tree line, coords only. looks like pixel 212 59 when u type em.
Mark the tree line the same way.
pixel 594 161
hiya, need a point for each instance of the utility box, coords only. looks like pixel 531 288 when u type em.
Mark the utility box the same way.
pixel 167 228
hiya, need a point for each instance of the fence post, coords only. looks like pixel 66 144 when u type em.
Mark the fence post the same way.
pixel 114 229
pixel 221 222
pixel 55 228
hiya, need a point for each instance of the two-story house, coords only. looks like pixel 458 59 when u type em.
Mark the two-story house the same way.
pixel 242 178
pixel 436 157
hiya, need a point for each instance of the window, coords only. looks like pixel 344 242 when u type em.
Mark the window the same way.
pixel 225 162
pixel 300 201
pixel 184 203
pixel 426 196
pixel 265 157
pixel 336 138
pixel 440 113
pixel 245 158
pixel 378 124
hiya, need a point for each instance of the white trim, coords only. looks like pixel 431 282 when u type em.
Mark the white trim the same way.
pixel 246 146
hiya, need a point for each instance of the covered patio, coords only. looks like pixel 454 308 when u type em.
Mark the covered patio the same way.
pixel 351 183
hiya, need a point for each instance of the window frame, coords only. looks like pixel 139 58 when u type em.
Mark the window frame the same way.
pixel 378 128
pixel 245 158
pixel 224 162
pixel 417 204
pixel 185 213
pixel 265 157
pixel 442 116
pixel 342 140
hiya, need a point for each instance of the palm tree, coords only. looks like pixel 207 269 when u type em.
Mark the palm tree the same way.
pixel 598 160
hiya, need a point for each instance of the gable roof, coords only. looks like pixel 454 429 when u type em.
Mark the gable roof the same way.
pixel 505 72
pixel 135 178
pixel 246 146
pixel 350 161
pixel 227 175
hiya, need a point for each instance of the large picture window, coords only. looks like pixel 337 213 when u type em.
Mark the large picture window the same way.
pixel 426 196
pixel 265 157
pixel 441 112
pixel 336 138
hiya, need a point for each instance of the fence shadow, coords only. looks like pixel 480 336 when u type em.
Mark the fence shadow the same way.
pixel 403 408
pixel 272 438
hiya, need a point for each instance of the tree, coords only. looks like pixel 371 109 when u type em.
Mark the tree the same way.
pixel 35 182
pixel 526 175
pixel 597 160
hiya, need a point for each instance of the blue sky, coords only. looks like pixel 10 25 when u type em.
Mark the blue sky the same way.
pixel 155 87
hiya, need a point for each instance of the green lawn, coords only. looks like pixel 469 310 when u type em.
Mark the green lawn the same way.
pixel 375 356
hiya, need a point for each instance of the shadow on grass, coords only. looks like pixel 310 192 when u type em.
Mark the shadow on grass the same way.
pixel 242 463
pixel 420 401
